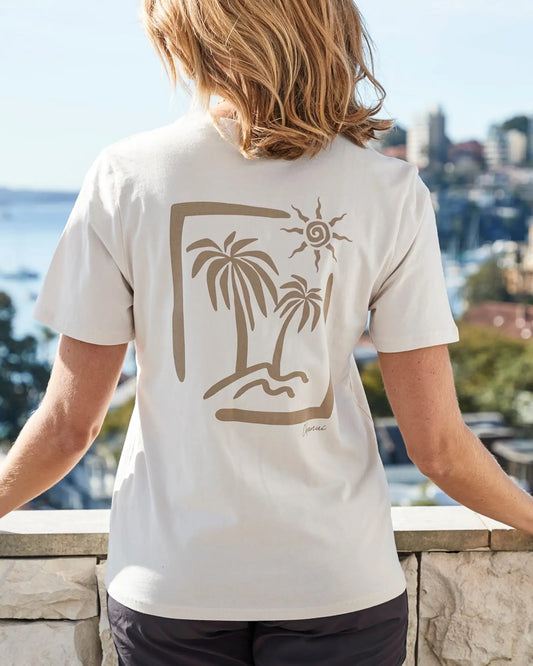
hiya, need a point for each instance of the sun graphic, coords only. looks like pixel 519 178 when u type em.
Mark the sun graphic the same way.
pixel 317 233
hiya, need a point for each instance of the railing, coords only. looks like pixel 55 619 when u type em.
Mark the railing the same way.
pixel 470 585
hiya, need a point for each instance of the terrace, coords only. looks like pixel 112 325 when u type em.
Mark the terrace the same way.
pixel 470 585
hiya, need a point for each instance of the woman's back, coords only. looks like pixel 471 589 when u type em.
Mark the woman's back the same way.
pixel 250 520
pixel 250 485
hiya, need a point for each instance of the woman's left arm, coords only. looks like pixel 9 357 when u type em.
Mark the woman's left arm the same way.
pixel 59 433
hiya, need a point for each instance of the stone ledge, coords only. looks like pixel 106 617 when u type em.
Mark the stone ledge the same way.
pixel 25 533
pixel 447 528
pixel 503 537
pixel 28 533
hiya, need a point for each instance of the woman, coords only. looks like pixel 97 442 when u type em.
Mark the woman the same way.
pixel 241 250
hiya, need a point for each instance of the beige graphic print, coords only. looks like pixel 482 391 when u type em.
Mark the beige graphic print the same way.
pixel 243 270
pixel 246 274
pixel 241 276
pixel 297 298
pixel 317 233
pixel 322 411
pixel 178 214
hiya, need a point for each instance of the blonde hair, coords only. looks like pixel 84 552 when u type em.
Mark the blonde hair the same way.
pixel 291 68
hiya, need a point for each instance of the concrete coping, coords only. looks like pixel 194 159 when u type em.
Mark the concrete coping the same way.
pixel 34 533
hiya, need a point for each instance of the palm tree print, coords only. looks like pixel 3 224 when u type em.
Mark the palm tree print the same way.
pixel 297 298
pixel 244 270
pixel 241 278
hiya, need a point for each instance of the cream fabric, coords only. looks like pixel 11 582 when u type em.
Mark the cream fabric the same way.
pixel 250 485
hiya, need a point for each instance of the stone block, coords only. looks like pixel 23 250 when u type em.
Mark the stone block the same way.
pixel 410 569
pixel 476 609
pixel 48 588
pixel 47 642
pixel 109 653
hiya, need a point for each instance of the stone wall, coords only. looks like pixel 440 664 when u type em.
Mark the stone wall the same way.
pixel 469 579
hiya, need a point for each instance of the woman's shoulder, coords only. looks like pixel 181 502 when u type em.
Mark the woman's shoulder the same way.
pixel 152 136
pixel 383 162
pixel 378 171
pixel 142 148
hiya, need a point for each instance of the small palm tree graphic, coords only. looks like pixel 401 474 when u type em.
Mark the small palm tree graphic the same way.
pixel 246 273
pixel 298 298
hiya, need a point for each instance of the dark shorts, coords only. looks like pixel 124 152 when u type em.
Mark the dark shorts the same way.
pixel 373 636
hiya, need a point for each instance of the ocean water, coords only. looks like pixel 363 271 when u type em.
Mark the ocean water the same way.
pixel 29 233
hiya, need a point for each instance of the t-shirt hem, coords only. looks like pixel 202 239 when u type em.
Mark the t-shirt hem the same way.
pixel 43 317
pixel 408 342
pixel 259 614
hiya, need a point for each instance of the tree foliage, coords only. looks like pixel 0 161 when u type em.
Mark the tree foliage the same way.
pixel 486 284
pixel 23 378
pixel 116 420
pixel 490 370
pixel 396 136
pixel 520 123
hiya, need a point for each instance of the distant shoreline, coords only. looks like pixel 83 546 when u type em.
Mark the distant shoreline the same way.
pixel 10 196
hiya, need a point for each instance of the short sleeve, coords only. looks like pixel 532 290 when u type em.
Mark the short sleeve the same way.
pixel 411 308
pixel 85 293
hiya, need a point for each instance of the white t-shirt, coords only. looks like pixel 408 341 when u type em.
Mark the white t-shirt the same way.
pixel 250 485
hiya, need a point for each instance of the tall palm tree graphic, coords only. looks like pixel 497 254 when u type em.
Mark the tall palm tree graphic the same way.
pixel 245 271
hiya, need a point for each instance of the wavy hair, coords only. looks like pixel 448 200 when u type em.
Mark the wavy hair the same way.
pixel 291 68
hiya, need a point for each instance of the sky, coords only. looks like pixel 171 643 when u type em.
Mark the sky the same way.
pixel 76 76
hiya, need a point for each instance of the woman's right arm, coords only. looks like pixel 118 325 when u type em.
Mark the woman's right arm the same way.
pixel 420 388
